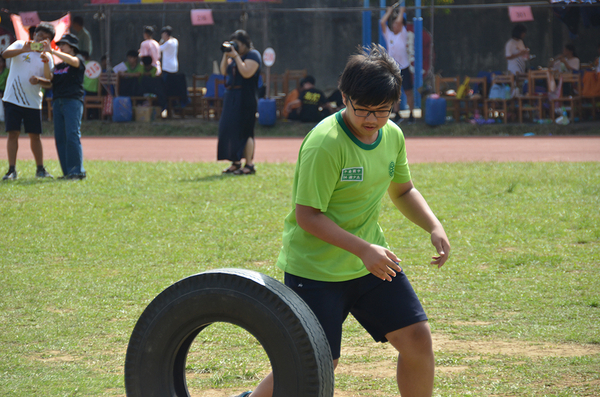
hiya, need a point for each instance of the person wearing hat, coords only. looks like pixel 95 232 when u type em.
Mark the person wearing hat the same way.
pixel 67 104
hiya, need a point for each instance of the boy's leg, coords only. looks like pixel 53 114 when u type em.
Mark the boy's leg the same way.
pixel 265 388
pixel 416 363
pixel 12 146
pixel 36 148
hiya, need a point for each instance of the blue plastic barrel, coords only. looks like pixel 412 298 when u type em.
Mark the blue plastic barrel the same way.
pixel 267 111
pixel 435 111
pixel 122 109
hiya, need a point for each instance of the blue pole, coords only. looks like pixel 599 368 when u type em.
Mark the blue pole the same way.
pixel 418 25
pixel 366 25
pixel 381 14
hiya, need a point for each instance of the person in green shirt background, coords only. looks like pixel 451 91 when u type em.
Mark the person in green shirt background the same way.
pixel 3 75
pixel 130 79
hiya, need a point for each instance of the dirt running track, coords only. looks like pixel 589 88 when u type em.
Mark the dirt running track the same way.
pixel 420 150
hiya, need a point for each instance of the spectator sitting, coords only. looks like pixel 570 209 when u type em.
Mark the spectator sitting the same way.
pixel 567 61
pixel 311 105
pixel 129 80
pixel 90 87
pixel 3 75
pixel 103 64
pixel 150 84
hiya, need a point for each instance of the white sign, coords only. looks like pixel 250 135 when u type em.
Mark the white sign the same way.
pixel 93 70
pixel 269 57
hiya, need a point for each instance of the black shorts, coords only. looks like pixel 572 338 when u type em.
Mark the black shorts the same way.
pixel 407 79
pixel 14 115
pixel 379 306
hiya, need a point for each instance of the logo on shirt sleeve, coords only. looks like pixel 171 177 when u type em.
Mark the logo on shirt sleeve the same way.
pixel 354 174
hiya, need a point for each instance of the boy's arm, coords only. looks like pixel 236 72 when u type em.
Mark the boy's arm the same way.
pixel 413 206
pixel 380 261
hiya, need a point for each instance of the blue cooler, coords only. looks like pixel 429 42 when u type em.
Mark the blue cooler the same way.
pixel 435 111
pixel 122 109
pixel 267 111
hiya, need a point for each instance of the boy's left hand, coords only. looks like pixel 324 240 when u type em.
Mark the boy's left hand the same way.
pixel 442 245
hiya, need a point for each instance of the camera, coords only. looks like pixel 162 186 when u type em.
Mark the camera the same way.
pixel 226 47
pixel 38 47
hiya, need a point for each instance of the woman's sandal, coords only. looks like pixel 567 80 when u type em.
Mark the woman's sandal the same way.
pixel 232 168
pixel 247 170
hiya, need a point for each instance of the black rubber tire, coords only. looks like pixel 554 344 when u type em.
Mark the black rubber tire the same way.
pixel 279 319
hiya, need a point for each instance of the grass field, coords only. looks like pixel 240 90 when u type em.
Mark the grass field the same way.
pixel 514 312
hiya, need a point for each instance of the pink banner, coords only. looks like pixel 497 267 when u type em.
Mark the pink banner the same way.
pixel 202 17
pixel 520 14
pixel 30 18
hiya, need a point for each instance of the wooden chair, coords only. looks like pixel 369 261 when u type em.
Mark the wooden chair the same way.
pixel 107 83
pixel 213 106
pixel 444 85
pixel 197 92
pixel 590 98
pixel 500 107
pixel 292 76
pixel 571 103
pixel 475 102
pixel 532 103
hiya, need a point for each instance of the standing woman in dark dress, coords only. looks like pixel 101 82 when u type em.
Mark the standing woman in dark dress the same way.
pixel 67 104
pixel 241 66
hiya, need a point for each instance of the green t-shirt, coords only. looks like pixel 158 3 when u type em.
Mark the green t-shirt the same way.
pixel 89 84
pixel 345 179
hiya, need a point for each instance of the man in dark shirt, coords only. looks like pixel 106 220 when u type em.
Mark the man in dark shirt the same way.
pixel 311 105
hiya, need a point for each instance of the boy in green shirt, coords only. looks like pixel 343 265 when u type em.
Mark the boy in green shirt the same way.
pixel 334 253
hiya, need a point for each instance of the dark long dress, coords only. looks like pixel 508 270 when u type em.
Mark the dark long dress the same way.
pixel 239 111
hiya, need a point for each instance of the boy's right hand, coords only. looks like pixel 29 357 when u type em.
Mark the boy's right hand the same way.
pixel 381 262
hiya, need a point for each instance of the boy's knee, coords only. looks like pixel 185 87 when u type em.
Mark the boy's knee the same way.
pixel 412 340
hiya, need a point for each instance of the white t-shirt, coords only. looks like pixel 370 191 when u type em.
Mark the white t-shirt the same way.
pixel 514 46
pixel 151 48
pixel 396 46
pixel 573 63
pixel 169 55
pixel 19 90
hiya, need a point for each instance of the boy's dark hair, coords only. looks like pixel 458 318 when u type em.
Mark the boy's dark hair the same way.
pixel 149 30
pixel 243 37
pixel 371 77
pixel 308 79
pixel 147 60
pixel 518 31
pixel 78 20
pixel 571 47
pixel 85 54
pixel 103 57
pixel 132 53
pixel 47 28
pixel 167 29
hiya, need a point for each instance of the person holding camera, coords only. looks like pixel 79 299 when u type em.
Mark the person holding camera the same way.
pixel 241 65
pixel 67 106
pixel 23 96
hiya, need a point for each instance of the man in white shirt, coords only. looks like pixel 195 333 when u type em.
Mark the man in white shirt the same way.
pixel 396 39
pixel 23 95
pixel 168 47
pixel 150 47
pixel 175 83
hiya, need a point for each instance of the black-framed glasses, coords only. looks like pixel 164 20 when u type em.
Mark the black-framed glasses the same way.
pixel 380 114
